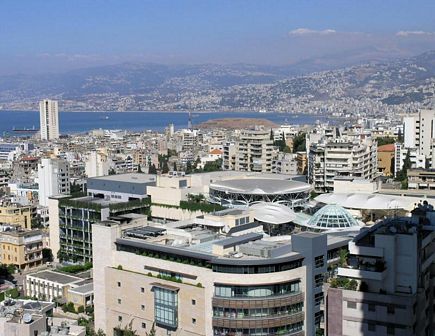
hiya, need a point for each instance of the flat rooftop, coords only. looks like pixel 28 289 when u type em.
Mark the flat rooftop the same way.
pixel 56 277
pixel 128 177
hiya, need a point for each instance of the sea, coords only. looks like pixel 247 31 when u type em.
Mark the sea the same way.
pixel 80 122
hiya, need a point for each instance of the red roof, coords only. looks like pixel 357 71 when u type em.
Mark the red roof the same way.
pixel 386 148
pixel 216 151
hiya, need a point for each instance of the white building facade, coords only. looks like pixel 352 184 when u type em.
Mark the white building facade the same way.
pixel 49 119
pixel 53 179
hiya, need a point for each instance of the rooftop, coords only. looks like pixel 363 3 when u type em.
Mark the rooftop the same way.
pixel 56 277
pixel 260 186
pixel 128 177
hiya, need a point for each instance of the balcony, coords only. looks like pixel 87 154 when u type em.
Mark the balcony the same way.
pixel 260 322
pixel 362 274
pixel 257 302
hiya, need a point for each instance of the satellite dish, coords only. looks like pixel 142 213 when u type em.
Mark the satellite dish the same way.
pixel 27 318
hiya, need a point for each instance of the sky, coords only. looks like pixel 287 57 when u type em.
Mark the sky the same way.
pixel 59 35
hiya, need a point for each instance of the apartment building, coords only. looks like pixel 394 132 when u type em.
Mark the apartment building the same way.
pixel 422 179
pixel 254 151
pixel 386 285
pixel 229 156
pixel 21 248
pixel 285 163
pixel 71 222
pixel 189 279
pixel 386 159
pixel 347 156
pixel 417 160
pixel 53 179
pixel 97 163
pixel 301 162
pixel 419 132
pixel 16 214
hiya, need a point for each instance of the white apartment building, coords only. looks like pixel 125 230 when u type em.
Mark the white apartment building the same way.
pixel 53 179
pixel 391 266
pixel 49 119
pixel 347 156
pixel 285 163
pixel 400 151
pixel 254 151
pixel 97 164
pixel 419 132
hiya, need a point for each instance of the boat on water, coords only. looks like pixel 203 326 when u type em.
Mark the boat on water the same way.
pixel 25 130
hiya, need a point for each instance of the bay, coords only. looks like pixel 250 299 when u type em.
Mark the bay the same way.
pixel 78 122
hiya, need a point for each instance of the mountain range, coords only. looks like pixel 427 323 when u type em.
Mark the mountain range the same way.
pixel 148 86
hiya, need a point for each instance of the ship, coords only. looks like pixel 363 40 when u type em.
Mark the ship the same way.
pixel 25 130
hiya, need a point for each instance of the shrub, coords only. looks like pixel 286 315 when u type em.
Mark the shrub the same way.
pixel 120 267
pixel 80 309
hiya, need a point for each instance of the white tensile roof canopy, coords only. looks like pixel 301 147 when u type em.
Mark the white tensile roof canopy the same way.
pixel 369 201
pixel 272 213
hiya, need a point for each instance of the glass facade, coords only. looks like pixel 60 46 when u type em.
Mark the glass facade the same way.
pixel 254 313
pixel 257 291
pixel 165 307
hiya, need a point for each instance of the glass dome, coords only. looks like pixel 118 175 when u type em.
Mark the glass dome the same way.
pixel 333 216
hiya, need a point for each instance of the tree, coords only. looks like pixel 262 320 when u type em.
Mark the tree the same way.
pixel 165 168
pixel 47 255
pixel 175 166
pixel 385 141
pixel 271 134
pixel 189 167
pixel 342 254
pixel 402 175
pixel 299 144
pixel 152 169
pixel 139 169
pixel 399 136
pixel 112 171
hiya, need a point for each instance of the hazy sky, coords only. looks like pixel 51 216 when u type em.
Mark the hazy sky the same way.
pixel 56 35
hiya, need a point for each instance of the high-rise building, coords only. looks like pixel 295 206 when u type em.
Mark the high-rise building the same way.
pixel 385 287
pixel 254 152
pixel 350 157
pixel 419 132
pixel 53 179
pixel 49 119
pixel 71 218
pixel 196 281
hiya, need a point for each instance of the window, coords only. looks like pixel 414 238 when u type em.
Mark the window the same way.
pixel 142 290
pixel 119 301
pixel 165 307
pixel 318 280
pixel 371 327
pixel 319 261
pixel 351 305
pixel 119 284
pixel 142 307
pixel 390 309
pixel 193 302
pixel 119 318
pixel 144 325
pixel 318 298
pixel 193 321
pixel 390 330
pixel 372 307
